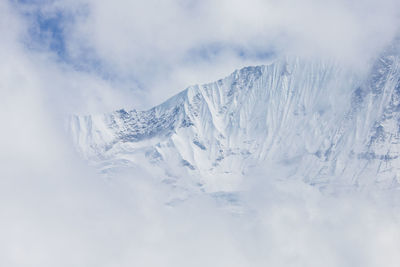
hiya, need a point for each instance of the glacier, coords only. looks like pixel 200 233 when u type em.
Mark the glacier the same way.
pixel 316 120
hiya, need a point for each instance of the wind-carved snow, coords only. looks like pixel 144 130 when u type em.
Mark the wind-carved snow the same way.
pixel 316 120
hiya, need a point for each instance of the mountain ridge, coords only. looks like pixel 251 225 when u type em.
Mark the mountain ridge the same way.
pixel 316 120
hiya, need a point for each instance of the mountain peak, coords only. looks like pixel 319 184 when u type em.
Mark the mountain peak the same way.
pixel 312 119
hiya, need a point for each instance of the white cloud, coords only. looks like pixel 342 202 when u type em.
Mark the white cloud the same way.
pixel 56 211
pixel 154 48
pixel 153 40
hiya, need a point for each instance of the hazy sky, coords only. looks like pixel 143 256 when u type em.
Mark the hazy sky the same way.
pixel 87 56
pixel 146 51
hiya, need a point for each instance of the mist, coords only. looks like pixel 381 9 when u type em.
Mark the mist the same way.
pixel 152 50
pixel 55 210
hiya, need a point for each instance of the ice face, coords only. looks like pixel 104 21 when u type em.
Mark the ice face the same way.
pixel 318 121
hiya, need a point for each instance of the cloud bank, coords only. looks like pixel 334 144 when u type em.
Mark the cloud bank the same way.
pixel 153 49
pixel 91 56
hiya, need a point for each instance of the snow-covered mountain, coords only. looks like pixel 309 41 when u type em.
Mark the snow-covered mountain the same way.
pixel 316 121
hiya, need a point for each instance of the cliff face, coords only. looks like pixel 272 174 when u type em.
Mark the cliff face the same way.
pixel 315 120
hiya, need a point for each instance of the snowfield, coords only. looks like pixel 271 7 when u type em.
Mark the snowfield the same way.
pixel 317 121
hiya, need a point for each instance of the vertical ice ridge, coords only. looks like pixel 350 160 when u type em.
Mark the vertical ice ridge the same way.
pixel 316 120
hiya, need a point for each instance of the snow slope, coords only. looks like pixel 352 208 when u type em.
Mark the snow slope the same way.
pixel 316 121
